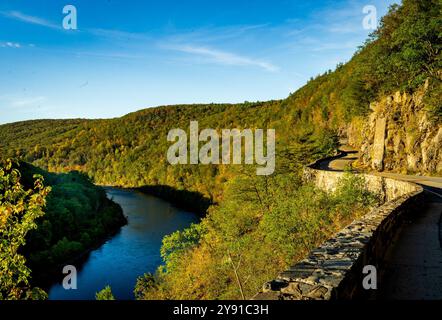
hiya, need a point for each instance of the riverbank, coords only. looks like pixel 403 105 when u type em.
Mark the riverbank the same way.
pixel 45 274
pixel 133 251
pixel 182 199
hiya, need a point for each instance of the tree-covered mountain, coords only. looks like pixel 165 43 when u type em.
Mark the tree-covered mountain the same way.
pixel 130 151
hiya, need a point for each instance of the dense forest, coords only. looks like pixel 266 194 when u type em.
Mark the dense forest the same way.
pixel 78 217
pixel 256 225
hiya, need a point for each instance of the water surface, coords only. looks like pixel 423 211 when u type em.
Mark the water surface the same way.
pixel 134 251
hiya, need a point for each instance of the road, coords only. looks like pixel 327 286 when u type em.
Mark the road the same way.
pixel 414 263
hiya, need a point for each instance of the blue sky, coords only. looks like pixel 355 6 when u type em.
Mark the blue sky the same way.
pixel 130 55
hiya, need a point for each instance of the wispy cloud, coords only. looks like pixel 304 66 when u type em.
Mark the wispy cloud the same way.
pixel 118 34
pixel 336 46
pixel 27 102
pixel 17 15
pixel 211 34
pixel 203 35
pixel 334 30
pixel 24 106
pixel 223 57
pixel 116 55
pixel 19 100
pixel 105 33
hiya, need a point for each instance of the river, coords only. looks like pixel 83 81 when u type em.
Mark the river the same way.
pixel 132 252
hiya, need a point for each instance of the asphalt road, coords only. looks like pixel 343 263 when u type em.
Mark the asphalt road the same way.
pixel 414 262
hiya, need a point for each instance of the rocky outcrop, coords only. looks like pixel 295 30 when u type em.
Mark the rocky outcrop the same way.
pixel 399 136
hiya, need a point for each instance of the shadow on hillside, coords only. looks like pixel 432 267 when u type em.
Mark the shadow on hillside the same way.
pixel 188 200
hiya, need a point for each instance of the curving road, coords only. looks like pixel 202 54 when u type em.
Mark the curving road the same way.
pixel 414 262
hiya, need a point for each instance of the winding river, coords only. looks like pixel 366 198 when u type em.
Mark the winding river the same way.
pixel 132 252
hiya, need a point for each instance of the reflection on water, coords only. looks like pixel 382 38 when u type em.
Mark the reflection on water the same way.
pixel 132 252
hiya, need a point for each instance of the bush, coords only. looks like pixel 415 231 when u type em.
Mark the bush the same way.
pixel 105 294
pixel 352 194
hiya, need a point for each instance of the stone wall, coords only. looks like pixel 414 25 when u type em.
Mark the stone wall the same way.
pixel 387 188
pixel 334 270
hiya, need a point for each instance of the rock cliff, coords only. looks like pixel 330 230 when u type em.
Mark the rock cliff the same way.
pixel 399 135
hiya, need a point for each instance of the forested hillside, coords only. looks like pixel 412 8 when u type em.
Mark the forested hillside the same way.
pixel 131 151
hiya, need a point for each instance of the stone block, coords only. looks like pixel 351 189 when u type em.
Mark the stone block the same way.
pixel 379 145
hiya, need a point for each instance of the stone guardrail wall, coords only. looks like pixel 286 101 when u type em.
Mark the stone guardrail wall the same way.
pixel 334 270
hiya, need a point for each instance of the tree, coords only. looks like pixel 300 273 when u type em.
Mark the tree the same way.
pixel 105 294
pixel 144 284
pixel 19 209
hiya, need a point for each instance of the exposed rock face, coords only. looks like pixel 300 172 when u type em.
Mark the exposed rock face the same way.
pixel 399 136
pixel 379 144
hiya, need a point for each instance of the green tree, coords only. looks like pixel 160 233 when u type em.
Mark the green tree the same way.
pixel 145 284
pixel 105 294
